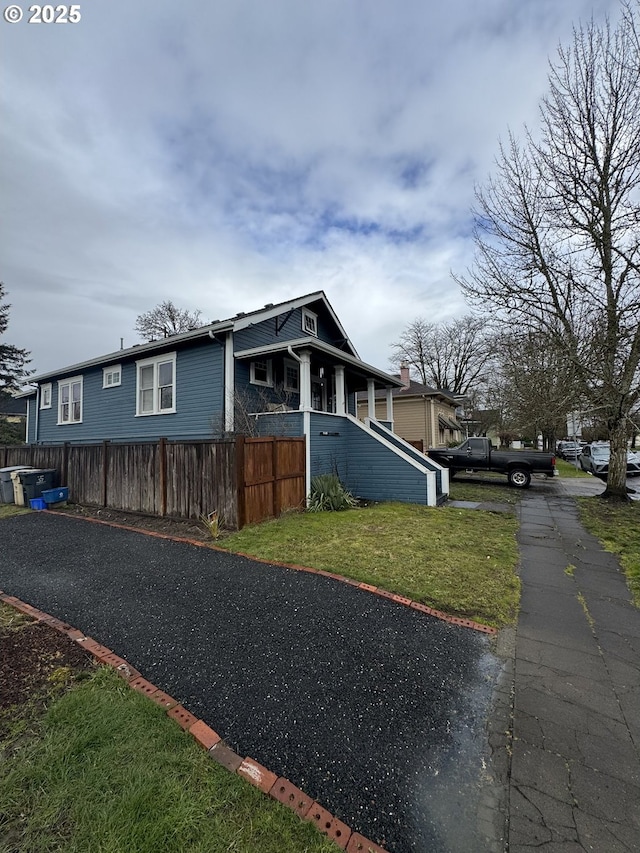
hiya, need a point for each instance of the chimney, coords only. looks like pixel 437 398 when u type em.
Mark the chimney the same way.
pixel 404 374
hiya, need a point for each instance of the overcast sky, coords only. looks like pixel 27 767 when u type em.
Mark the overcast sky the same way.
pixel 228 154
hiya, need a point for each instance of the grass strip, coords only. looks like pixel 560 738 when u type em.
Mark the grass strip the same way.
pixel 460 561
pixel 568 470
pixel 108 772
pixel 483 488
pixel 617 526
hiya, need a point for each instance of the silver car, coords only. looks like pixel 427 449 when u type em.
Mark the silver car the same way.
pixel 595 459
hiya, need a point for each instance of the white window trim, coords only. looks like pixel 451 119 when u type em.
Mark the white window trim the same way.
pixel 106 371
pixel 288 362
pixel 309 315
pixel 46 387
pixel 154 362
pixel 252 374
pixel 71 381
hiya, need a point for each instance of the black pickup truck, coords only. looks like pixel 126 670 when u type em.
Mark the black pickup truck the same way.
pixel 477 454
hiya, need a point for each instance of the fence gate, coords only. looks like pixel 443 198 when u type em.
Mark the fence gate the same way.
pixel 271 477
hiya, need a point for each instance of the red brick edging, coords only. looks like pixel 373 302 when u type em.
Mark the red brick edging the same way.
pixel 278 788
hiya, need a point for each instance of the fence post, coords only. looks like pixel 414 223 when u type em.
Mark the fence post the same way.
pixel 65 464
pixel 105 469
pixel 162 452
pixel 240 480
pixel 274 468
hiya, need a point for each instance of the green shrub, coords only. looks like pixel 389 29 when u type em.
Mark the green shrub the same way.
pixel 328 494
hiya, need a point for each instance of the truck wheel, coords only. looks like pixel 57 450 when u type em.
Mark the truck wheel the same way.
pixel 520 478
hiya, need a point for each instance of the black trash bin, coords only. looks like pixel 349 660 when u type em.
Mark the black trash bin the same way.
pixel 35 481
pixel 6 483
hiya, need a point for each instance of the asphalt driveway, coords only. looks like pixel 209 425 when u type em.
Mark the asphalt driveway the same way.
pixel 376 710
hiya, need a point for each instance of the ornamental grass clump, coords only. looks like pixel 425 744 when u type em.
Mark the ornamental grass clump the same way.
pixel 329 495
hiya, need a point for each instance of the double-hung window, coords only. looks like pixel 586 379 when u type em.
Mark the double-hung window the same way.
pixel 70 400
pixel 156 385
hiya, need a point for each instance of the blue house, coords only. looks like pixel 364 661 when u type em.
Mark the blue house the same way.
pixel 286 369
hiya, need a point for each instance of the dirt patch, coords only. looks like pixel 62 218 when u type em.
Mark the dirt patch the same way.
pixel 37 663
pixel 183 528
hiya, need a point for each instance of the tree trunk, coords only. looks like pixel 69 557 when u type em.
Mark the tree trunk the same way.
pixel 617 476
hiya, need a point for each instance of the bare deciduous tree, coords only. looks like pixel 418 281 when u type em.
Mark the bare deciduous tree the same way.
pixel 558 228
pixel 538 383
pixel 451 355
pixel 165 320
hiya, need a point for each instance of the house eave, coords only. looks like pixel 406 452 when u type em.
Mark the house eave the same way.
pixel 341 357
pixel 135 351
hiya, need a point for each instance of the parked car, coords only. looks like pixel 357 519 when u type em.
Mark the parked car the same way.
pixel 569 450
pixel 595 459
pixel 633 463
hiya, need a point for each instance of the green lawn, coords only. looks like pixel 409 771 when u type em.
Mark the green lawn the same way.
pixel 7 510
pixel 617 526
pixel 459 561
pixel 493 488
pixel 568 469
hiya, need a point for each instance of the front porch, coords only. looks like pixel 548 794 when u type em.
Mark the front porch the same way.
pixel 309 388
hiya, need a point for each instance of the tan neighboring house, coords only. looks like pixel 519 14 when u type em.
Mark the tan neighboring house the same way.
pixel 423 416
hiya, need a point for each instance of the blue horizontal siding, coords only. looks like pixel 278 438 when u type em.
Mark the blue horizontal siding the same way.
pixel 280 423
pixel 410 451
pixel 254 398
pixel 365 466
pixel 110 413
pixel 264 333
pixel 377 473
pixel 329 453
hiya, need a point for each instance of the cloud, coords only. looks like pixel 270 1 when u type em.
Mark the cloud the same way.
pixel 225 155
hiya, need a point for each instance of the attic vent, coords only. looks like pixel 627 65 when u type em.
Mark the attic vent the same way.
pixel 240 314
pixel 269 305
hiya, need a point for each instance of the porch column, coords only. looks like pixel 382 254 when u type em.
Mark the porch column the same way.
pixel 389 404
pixel 305 379
pixel 341 407
pixel 371 399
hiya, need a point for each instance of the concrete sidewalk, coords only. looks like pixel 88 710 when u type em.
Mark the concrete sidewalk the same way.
pixel 575 771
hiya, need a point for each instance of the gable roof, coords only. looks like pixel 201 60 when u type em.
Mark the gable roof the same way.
pixel 239 321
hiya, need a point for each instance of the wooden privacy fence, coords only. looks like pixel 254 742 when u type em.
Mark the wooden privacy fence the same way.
pixel 244 480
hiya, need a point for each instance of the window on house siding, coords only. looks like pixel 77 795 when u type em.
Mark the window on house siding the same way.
pixel 45 396
pixel 291 376
pixel 156 385
pixel 261 372
pixel 70 401
pixel 309 322
pixel 111 376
